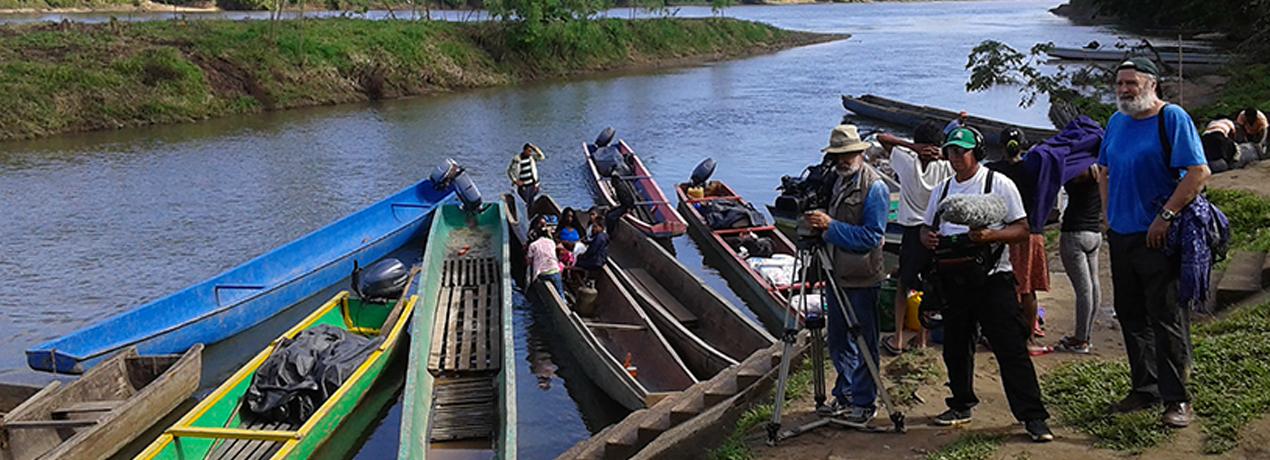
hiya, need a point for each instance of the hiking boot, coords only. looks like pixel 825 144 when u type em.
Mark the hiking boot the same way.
pixel 1177 415
pixel 833 409
pixel 860 417
pixel 1134 402
pixel 1071 345
pixel 1038 430
pixel 953 417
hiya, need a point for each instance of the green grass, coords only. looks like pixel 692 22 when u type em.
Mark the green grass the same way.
pixel 1230 387
pixel 61 78
pixel 735 446
pixel 974 446
pixel 1249 216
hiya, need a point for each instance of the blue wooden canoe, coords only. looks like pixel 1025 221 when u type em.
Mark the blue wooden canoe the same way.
pixel 235 300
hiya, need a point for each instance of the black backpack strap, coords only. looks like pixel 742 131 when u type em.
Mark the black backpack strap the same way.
pixel 987 186
pixel 1168 146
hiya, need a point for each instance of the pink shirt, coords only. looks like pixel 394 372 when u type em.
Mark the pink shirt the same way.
pixel 542 257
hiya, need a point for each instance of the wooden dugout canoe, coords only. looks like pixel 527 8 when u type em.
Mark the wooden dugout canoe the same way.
pixel 216 428
pixel 618 329
pixel 769 301
pixel 708 332
pixel 912 115
pixel 101 412
pixel 461 385
pixel 653 215
pixel 248 294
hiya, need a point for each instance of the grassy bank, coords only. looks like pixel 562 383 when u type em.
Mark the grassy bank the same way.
pixel 58 78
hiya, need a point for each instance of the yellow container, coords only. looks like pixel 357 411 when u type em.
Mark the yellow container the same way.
pixel 911 321
pixel 696 193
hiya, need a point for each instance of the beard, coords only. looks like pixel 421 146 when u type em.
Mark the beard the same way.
pixel 1136 105
pixel 848 170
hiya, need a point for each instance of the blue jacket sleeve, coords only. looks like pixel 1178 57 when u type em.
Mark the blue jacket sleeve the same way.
pixel 863 238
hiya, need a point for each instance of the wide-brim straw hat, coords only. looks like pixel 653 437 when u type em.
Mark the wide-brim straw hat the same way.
pixel 845 139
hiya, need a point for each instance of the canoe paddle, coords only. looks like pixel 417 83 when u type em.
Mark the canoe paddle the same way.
pixel 401 302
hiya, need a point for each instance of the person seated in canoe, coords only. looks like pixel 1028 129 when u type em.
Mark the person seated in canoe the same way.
pixel 523 172
pixel 597 248
pixel 564 250
pixel 541 257
pixel 569 220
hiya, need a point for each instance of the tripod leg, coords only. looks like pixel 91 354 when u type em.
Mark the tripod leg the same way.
pixel 782 381
pixel 853 328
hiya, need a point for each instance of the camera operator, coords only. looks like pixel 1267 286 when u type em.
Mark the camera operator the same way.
pixel 980 290
pixel 855 228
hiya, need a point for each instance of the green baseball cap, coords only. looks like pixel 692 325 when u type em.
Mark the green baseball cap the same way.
pixel 962 137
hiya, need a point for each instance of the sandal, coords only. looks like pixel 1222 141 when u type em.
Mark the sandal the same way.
pixel 1038 350
pixel 888 344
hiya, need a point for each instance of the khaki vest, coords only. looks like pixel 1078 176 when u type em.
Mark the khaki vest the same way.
pixel 855 270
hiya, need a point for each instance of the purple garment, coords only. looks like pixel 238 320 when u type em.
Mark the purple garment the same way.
pixel 1198 229
pixel 1057 160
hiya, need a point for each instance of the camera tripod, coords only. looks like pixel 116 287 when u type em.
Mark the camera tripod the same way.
pixel 811 251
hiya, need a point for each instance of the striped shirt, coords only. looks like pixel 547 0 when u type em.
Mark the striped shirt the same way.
pixel 525 169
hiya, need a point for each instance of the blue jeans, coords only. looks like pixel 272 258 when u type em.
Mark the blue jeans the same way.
pixel 854 385
pixel 554 278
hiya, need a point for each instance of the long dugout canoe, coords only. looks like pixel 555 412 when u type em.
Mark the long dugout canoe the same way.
pixel 460 395
pixel 235 300
pixel 912 115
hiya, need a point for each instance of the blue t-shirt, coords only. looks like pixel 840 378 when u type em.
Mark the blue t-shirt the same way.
pixel 1139 182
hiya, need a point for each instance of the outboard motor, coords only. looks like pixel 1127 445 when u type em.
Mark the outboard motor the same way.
pixel 703 171
pixel 445 173
pixel 380 282
pixel 466 189
pixel 605 137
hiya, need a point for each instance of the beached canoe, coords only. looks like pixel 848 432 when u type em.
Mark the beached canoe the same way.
pixel 911 115
pixel 770 301
pixel 1167 54
pixel 709 333
pixel 618 346
pixel 652 213
pixel 219 427
pixel 460 395
pixel 101 412
pixel 248 294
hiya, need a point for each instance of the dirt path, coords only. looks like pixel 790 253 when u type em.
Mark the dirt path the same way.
pixel 992 416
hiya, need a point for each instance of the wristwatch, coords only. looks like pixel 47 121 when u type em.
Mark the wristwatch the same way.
pixel 1167 215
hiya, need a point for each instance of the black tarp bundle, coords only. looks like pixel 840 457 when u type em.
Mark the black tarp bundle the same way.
pixel 722 215
pixel 302 373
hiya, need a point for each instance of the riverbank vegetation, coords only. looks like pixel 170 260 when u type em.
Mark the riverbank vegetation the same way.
pixel 76 77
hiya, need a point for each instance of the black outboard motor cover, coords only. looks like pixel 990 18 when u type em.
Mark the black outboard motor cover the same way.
pixel 383 280
pixel 605 137
pixel 610 161
pixel 468 193
pixel 445 173
pixel 703 171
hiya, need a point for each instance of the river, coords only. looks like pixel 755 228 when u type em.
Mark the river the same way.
pixel 97 223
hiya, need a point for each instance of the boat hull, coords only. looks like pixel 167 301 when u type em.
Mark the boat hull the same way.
pixel 246 295
pixel 911 115
pixel 665 222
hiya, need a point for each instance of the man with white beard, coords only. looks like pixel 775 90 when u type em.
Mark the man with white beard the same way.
pixel 1146 145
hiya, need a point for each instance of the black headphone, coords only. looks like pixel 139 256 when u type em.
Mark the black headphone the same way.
pixel 978 151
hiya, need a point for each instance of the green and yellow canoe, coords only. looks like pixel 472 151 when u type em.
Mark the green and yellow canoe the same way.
pixel 460 396
pixel 214 428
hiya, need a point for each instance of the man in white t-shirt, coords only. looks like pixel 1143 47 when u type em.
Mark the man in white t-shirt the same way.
pixel 984 301
pixel 919 167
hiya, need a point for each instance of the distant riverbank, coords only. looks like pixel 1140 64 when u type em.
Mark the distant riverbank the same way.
pixel 58 78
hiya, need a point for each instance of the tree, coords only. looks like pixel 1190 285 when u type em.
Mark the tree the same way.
pixel 1082 89
pixel 717 6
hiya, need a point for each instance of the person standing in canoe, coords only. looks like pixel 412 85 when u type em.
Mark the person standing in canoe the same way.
pixel 853 227
pixel 523 172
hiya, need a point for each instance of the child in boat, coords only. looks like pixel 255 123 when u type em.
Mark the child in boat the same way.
pixel 564 250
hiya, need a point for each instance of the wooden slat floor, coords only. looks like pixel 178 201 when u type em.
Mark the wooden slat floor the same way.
pixel 242 449
pixel 466 350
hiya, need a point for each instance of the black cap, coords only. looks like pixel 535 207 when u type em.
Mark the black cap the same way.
pixel 1140 64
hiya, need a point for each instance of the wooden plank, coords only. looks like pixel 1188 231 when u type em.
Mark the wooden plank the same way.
pixel 88 406
pixel 37 424
pixel 438 328
pixel 617 326
pixel 470 305
pixel 663 296
pixel 451 360
pixel 481 327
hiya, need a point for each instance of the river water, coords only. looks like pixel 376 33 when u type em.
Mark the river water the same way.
pixel 96 223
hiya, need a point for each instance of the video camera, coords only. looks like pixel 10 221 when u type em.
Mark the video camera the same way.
pixel 810 190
